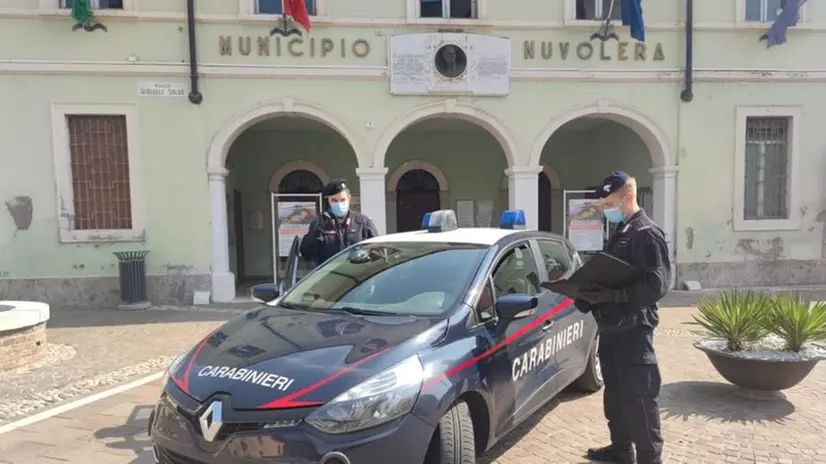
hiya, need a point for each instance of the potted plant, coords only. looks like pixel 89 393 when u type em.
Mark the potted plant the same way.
pixel 762 342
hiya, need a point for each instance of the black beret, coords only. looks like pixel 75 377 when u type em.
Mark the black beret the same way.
pixel 334 187
pixel 615 181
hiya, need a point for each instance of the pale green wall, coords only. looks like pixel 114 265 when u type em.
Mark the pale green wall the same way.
pixel 175 135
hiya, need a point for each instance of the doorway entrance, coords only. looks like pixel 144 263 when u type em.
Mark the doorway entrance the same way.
pixel 545 211
pixel 417 194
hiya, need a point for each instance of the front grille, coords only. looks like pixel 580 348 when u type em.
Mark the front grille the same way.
pixel 227 429
pixel 168 457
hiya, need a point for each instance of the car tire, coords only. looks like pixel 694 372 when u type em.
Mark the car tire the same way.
pixel 591 380
pixel 454 441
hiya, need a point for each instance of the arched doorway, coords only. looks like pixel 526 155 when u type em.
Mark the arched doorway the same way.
pixel 545 205
pixel 417 193
pixel 300 181
pixel 270 137
pixel 456 142
pixel 588 142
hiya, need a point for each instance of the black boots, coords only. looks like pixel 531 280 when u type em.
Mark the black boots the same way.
pixel 611 454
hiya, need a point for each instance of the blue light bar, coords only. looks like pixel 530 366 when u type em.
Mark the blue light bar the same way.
pixel 513 219
pixel 442 221
pixel 426 220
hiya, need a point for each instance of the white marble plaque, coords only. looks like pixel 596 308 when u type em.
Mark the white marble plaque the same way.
pixel 413 71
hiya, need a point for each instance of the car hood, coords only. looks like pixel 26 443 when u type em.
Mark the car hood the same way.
pixel 273 358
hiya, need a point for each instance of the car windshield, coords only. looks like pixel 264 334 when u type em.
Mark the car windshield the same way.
pixel 424 279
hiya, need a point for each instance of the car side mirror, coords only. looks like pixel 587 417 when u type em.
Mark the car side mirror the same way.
pixel 516 306
pixel 265 292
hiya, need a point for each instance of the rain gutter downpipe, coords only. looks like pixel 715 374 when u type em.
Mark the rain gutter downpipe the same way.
pixel 687 94
pixel 195 96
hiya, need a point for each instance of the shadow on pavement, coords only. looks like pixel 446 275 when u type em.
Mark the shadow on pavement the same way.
pixel 63 318
pixel 711 400
pixel 131 436
pixel 516 435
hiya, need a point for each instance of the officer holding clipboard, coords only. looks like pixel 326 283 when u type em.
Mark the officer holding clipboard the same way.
pixel 621 287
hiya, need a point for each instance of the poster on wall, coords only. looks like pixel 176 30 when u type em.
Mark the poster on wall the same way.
pixel 586 227
pixel 294 218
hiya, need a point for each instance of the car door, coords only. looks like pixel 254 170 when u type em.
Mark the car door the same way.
pixel 291 267
pixel 517 271
pixel 569 339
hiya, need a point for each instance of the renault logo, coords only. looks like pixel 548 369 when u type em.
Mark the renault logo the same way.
pixel 211 420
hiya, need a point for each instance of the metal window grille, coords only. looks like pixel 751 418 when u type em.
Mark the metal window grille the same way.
pixel 767 162
pixel 100 172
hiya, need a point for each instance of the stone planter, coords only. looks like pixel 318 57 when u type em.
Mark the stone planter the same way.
pixel 764 371
pixel 22 332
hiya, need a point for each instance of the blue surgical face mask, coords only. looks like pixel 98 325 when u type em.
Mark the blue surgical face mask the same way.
pixel 340 209
pixel 613 215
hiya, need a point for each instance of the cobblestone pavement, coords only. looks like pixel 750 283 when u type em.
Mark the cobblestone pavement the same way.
pixel 705 420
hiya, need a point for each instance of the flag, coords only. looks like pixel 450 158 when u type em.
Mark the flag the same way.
pixel 787 18
pixel 84 17
pixel 297 9
pixel 632 17
pixel 82 11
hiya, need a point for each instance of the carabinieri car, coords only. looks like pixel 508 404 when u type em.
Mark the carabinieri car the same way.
pixel 422 347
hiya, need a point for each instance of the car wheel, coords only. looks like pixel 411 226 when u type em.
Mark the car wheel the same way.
pixel 454 441
pixel 591 380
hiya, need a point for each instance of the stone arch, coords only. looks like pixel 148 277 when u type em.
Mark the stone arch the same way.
pixel 393 180
pixel 644 127
pixel 240 122
pixel 448 108
pixel 287 168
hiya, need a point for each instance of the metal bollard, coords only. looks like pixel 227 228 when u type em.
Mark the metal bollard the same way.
pixel 132 272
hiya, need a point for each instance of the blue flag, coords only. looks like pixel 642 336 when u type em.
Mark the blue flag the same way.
pixel 632 17
pixel 788 18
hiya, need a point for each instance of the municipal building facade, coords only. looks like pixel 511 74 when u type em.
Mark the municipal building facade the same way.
pixel 116 140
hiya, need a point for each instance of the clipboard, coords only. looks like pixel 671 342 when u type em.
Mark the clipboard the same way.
pixel 602 270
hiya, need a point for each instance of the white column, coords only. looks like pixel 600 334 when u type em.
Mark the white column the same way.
pixel 223 281
pixel 373 196
pixel 665 208
pixel 523 192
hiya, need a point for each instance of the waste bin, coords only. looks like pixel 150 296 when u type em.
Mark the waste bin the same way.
pixel 132 271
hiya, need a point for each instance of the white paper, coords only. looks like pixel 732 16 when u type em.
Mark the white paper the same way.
pixel 464 213
pixel 484 213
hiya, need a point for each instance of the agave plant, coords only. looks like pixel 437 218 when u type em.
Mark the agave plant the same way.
pixel 796 320
pixel 737 317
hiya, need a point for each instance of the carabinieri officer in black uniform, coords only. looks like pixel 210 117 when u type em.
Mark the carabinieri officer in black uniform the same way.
pixel 337 227
pixel 627 318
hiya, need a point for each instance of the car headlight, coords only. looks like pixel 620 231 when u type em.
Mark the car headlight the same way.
pixel 173 368
pixel 382 398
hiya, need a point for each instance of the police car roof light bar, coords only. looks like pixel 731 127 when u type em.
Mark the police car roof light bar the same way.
pixel 512 219
pixel 425 220
pixel 442 221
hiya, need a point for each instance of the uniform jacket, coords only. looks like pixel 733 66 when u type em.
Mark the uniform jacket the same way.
pixel 640 242
pixel 328 236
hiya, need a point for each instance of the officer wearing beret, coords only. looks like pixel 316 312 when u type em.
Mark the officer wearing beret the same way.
pixel 337 227
pixel 627 318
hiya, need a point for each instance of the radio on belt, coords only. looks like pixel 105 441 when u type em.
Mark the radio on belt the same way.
pixel 512 219
pixel 440 221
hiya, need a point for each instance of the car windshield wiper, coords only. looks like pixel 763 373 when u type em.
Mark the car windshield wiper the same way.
pixel 292 305
pixel 366 312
